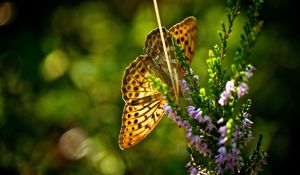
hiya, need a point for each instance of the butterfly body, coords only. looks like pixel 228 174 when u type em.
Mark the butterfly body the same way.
pixel 143 103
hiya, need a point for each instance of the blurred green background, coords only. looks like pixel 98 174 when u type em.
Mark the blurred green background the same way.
pixel 61 67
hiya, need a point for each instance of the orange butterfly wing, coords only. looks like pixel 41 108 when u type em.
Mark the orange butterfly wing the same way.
pixel 143 108
pixel 185 34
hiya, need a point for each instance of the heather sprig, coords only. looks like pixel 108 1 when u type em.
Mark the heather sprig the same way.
pixel 216 118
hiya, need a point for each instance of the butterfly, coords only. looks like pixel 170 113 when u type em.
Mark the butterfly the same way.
pixel 144 104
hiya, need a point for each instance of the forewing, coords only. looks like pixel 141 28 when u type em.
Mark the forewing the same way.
pixel 185 34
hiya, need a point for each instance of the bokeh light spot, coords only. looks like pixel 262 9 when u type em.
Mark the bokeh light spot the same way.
pixel 84 74
pixel 73 144
pixel 7 13
pixel 112 164
pixel 54 65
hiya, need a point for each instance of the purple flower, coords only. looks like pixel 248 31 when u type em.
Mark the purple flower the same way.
pixel 234 159
pixel 246 133
pixel 220 158
pixel 167 108
pixel 249 72
pixel 195 140
pixel 192 170
pixel 169 111
pixel 197 143
pixel 246 122
pixel 228 159
pixel 195 113
pixel 210 126
pixel 237 133
pixel 242 90
pixel 222 141
pixel 229 86
pixel 226 94
pixel 224 99
pixel 209 123
pixel 180 122
pixel 222 150
pixel 228 154
pixel 185 87
pixel 223 131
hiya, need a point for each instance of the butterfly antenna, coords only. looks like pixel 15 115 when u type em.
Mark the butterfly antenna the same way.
pixel 164 47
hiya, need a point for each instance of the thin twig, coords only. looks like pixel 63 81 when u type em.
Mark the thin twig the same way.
pixel 164 46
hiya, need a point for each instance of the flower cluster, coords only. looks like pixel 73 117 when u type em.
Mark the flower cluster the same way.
pixel 197 143
pixel 196 170
pixel 228 159
pixel 200 128
pixel 192 169
pixel 228 156
pixel 216 122
pixel 249 72
pixel 173 116
pixel 194 140
pixel 240 91
pixel 226 94
pixel 197 115
pixel 246 134
pixel 186 90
